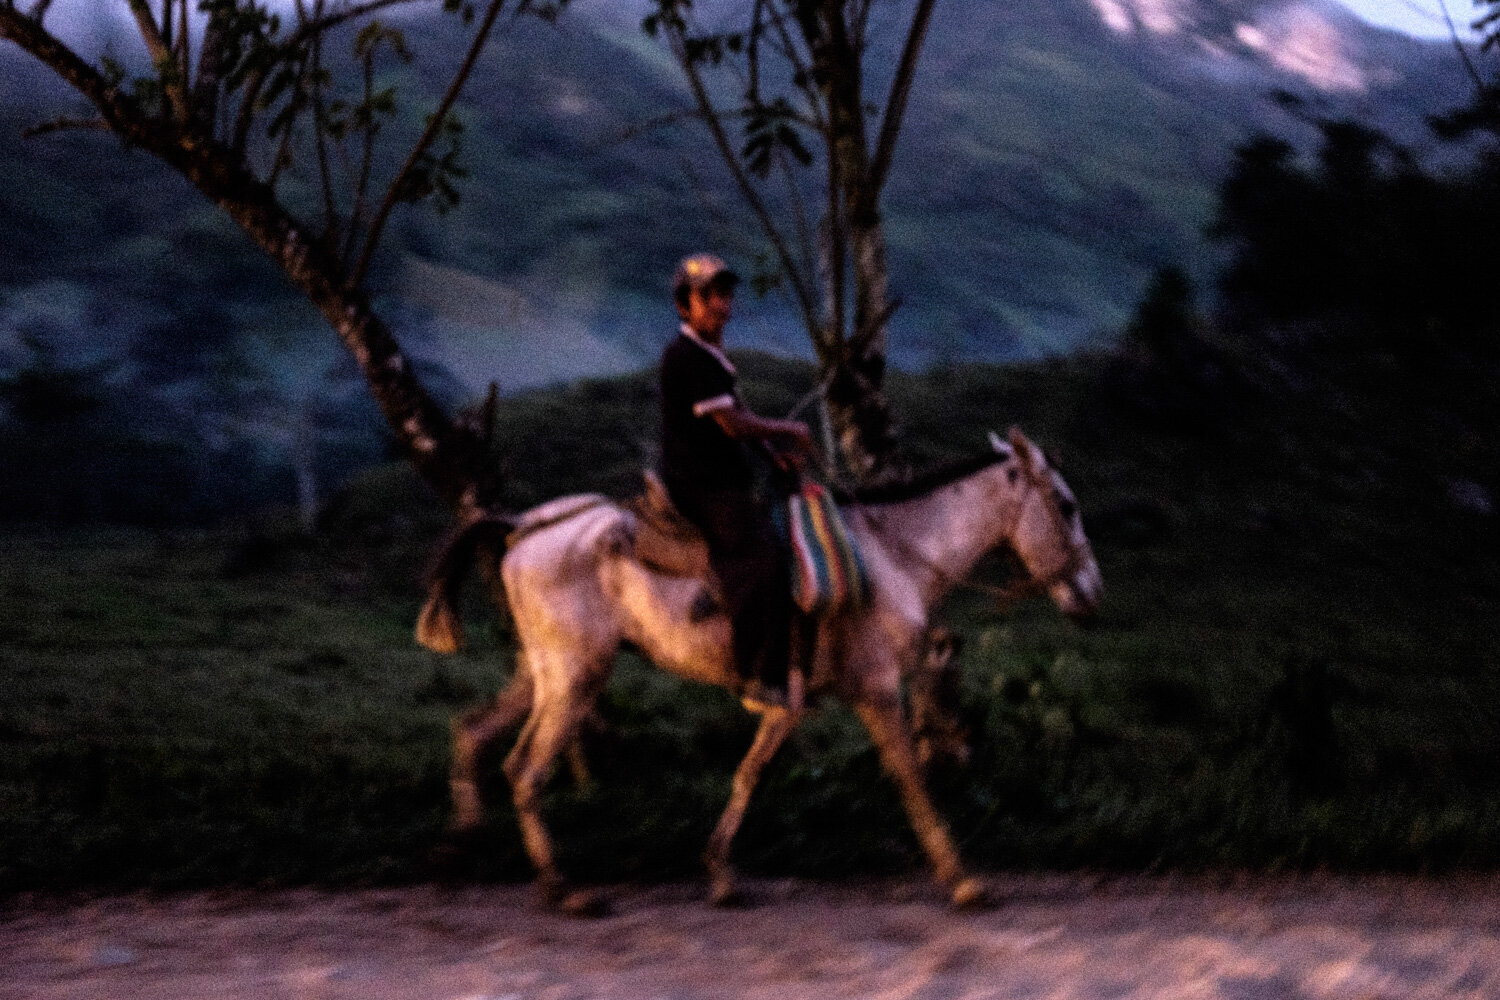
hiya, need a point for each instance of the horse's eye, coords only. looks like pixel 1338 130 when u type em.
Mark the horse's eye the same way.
pixel 1067 507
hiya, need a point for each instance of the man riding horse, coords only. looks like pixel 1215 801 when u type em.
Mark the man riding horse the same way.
pixel 578 590
pixel 709 474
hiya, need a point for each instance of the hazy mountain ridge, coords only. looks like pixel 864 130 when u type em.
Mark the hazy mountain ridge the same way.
pixel 1055 155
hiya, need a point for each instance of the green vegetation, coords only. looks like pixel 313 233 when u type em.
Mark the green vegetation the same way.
pixel 1294 667
pixel 1293 506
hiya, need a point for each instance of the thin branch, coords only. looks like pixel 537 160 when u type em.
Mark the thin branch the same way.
pixel 861 23
pixel 320 140
pixel 288 48
pixel 146 23
pixel 117 109
pixel 210 72
pixel 434 126
pixel 38 9
pixel 367 160
pixel 184 47
pixel 799 211
pixel 752 52
pixel 321 23
pixel 833 255
pixel 245 117
pixel 283 156
pixel 161 57
pixel 895 105
pixel 649 125
pixel 715 125
pixel 65 124
pixel 801 66
pixel 1463 53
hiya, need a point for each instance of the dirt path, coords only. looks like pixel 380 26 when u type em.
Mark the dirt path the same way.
pixel 1064 936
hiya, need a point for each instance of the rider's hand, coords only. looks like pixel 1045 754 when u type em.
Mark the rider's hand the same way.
pixel 792 461
pixel 803 442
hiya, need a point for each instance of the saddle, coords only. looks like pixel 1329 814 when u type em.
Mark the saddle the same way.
pixel 669 544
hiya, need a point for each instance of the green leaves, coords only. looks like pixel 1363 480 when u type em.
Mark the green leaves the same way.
pixel 436 175
pixel 377 33
pixel 668 15
pixel 246 40
pixel 769 127
pixel 711 48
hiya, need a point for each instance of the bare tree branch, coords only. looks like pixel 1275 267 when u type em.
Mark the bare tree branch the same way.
pixel 799 211
pixel 713 119
pixel 801 67
pixel 434 126
pixel 895 105
pixel 184 47
pixel 1458 45
pixel 115 107
pixel 320 141
pixel 66 124
pixel 367 162
pixel 321 23
pixel 288 48
pixel 161 57
pixel 210 72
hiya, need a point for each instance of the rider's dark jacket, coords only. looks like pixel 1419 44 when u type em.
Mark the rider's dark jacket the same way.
pixel 710 478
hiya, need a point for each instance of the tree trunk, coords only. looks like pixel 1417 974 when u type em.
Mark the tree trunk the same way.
pixel 857 403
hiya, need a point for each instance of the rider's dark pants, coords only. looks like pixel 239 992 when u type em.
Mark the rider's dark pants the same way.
pixel 747 555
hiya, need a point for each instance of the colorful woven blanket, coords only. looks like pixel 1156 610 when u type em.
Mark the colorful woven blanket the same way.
pixel 828 573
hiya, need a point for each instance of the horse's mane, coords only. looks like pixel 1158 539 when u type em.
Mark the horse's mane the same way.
pixel 922 483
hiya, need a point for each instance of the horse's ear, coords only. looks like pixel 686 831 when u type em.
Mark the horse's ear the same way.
pixel 1001 448
pixel 1022 447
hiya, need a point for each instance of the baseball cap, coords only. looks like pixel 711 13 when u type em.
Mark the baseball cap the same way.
pixel 699 270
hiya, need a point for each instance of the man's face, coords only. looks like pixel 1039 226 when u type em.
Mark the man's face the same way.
pixel 708 310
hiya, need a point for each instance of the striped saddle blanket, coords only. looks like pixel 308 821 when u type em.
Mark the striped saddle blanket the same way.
pixel 828 573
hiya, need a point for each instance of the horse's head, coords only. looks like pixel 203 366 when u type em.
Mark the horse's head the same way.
pixel 1048 535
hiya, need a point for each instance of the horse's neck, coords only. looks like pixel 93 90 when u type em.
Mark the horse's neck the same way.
pixel 939 537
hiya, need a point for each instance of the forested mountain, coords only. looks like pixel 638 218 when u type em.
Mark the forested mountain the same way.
pixel 1055 156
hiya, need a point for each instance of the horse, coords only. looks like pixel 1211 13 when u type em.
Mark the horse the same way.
pixel 577 593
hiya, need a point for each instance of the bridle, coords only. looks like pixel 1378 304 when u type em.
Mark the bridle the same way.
pixel 1074 559
pixel 1033 584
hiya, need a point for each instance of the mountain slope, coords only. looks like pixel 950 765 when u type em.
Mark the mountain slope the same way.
pixel 1055 155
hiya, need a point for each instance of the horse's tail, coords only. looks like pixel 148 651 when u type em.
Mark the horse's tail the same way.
pixel 438 625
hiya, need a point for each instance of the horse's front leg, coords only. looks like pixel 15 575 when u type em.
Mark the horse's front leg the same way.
pixel 882 717
pixel 775 725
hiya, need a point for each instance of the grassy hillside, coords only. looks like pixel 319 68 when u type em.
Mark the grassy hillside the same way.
pixel 1295 666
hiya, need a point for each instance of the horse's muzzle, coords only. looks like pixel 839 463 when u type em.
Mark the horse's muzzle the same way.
pixel 1078 596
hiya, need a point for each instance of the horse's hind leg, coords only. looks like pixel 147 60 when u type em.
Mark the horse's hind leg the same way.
pixel 561 702
pixel 472 733
pixel 775 725
pixel 882 717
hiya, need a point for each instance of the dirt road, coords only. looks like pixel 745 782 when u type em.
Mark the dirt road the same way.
pixel 1055 936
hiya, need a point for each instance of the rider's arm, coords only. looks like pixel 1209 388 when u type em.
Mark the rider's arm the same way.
pixel 743 425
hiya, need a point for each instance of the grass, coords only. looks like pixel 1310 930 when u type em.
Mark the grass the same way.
pixel 1295 667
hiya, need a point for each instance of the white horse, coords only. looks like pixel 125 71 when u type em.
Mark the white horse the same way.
pixel 577 593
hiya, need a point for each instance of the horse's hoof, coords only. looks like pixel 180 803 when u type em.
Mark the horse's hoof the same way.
pixel 970 895
pixel 584 903
pixel 725 894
